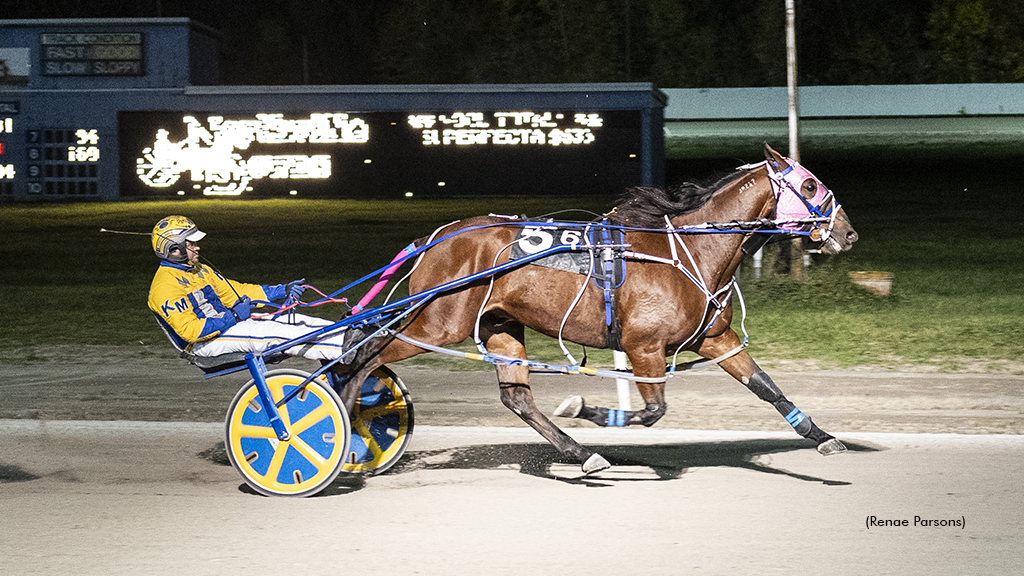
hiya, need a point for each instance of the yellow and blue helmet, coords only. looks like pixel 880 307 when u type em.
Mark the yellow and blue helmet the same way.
pixel 169 236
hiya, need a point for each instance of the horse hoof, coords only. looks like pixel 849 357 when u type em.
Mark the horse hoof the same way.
pixel 570 407
pixel 830 447
pixel 595 463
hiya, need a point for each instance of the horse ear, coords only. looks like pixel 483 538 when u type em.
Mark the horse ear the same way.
pixel 775 160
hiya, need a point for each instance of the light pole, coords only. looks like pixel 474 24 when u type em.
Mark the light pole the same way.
pixel 792 89
pixel 796 252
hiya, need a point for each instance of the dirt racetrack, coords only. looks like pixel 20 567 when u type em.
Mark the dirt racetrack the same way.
pixel 115 465
pixel 152 384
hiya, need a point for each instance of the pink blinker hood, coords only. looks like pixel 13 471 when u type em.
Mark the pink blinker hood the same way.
pixel 789 205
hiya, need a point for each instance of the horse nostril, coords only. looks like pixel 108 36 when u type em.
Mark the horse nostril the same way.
pixel 852 236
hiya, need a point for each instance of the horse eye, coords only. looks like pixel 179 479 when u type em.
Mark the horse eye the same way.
pixel 809 188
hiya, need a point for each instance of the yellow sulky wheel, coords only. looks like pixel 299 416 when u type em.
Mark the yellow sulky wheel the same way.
pixel 382 423
pixel 310 459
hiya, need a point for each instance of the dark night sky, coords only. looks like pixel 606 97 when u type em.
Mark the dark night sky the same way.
pixel 675 44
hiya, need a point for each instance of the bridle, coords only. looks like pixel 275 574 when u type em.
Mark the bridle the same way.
pixel 791 178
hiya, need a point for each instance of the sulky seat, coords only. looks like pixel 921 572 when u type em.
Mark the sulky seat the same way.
pixel 212 364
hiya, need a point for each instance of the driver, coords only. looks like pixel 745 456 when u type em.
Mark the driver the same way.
pixel 205 314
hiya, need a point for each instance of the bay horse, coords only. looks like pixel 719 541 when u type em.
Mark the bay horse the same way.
pixel 659 310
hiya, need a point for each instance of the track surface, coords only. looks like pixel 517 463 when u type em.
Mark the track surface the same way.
pixel 81 493
pixel 156 498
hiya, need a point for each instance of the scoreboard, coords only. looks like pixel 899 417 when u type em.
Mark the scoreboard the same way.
pixel 110 108
pixel 56 162
pixel 343 154
pixel 92 54
pixel 7 169
pixel 358 154
pixel 63 161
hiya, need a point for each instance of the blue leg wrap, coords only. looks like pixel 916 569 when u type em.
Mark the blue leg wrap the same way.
pixel 760 384
pixel 795 417
pixel 616 418
pixel 621 418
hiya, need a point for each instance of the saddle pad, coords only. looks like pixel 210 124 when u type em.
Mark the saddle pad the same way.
pixel 533 239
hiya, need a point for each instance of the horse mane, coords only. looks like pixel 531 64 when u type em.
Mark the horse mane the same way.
pixel 646 207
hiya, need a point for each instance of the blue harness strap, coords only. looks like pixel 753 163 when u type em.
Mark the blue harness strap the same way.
pixel 608 284
pixel 608 261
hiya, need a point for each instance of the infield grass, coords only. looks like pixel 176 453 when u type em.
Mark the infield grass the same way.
pixel 953 244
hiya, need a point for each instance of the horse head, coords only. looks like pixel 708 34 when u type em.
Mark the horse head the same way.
pixel 809 206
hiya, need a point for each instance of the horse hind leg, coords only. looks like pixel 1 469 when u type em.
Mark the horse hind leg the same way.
pixel 516 395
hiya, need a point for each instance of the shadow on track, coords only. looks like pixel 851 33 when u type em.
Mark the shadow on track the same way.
pixel 665 461
pixel 658 462
pixel 10 473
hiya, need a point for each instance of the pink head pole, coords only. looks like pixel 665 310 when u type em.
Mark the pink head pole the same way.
pixel 396 263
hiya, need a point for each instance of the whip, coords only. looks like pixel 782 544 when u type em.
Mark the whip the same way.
pixel 123 232
pixel 203 258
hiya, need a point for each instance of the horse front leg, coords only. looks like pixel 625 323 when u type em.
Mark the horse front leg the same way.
pixel 516 395
pixel 743 368
pixel 646 364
